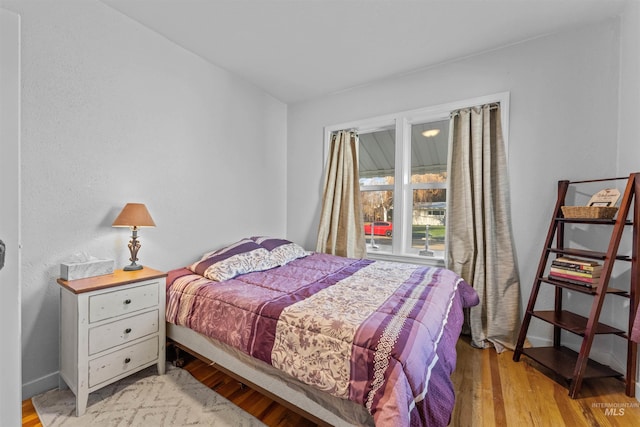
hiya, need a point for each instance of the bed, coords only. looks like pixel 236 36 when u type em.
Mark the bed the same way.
pixel 345 341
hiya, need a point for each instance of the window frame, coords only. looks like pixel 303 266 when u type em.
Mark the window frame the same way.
pixel 403 187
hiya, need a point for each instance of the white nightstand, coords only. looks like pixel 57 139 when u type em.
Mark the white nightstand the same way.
pixel 110 327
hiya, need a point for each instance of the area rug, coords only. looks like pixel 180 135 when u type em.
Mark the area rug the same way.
pixel 144 399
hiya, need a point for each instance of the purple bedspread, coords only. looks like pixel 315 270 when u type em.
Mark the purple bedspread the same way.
pixel 378 333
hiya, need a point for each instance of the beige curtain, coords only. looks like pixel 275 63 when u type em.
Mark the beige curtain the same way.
pixel 341 230
pixel 480 242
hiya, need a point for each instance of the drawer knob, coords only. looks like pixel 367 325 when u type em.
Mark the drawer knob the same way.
pixel 127 331
pixel 127 360
pixel 127 301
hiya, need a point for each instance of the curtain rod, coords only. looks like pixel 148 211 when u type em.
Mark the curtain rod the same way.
pixel 352 130
pixel 491 105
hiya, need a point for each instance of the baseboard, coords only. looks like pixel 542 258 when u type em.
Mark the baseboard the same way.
pixel 616 364
pixel 539 342
pixel 40 385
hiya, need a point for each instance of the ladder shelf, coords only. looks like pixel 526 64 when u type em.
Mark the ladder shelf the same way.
pixel 571 365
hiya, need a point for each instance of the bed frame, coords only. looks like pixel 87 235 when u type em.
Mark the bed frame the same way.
pixel 287 391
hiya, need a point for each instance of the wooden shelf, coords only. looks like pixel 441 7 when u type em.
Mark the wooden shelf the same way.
pixel 581 288
pixel 574 322
pixel 576 366
pixel 594 221
pixel 587 254
pixel 563 360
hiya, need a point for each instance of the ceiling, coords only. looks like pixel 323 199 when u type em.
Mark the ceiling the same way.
pixel 298 50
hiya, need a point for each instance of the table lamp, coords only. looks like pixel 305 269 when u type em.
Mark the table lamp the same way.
pixel 134 215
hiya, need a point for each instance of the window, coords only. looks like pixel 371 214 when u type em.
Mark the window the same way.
pixel 424 196
pixel 403 162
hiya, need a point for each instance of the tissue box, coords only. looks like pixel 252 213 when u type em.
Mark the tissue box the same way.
pixel 80 270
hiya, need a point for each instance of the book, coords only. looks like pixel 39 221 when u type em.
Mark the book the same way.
pixel 575 279
pixel 593 273
pixel 577 264
pixel 576 273
pixel 574 282
pixel 577 261
pixel 577 267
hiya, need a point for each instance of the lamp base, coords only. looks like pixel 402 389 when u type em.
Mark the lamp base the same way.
pixel 132 267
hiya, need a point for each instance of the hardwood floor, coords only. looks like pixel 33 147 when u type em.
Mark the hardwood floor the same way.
pixel 491 390
pixel 29 415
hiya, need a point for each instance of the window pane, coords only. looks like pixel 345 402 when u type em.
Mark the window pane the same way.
pixel 377 157
pixel 428 222
pixel 429 149
pixel 378 219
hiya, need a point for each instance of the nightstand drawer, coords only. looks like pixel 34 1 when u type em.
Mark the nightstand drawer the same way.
pixel 122 331
pixel 119 362
pixel 116 303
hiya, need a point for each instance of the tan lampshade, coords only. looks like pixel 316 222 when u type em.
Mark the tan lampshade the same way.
pixel 134 215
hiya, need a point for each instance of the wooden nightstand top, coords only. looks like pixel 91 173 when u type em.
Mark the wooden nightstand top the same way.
pixel 117 278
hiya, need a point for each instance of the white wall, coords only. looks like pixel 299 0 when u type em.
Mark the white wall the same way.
pixel 10 356
pixel 629 145
pixel 629 148
pixel 113 113
pixel 563 125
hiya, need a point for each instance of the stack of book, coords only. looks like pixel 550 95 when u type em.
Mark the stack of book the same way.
pixel 576 271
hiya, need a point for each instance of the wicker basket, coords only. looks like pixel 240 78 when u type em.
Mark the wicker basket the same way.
pixel 597 212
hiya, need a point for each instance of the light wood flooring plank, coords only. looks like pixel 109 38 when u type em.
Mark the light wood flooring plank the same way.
pixel 491 390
